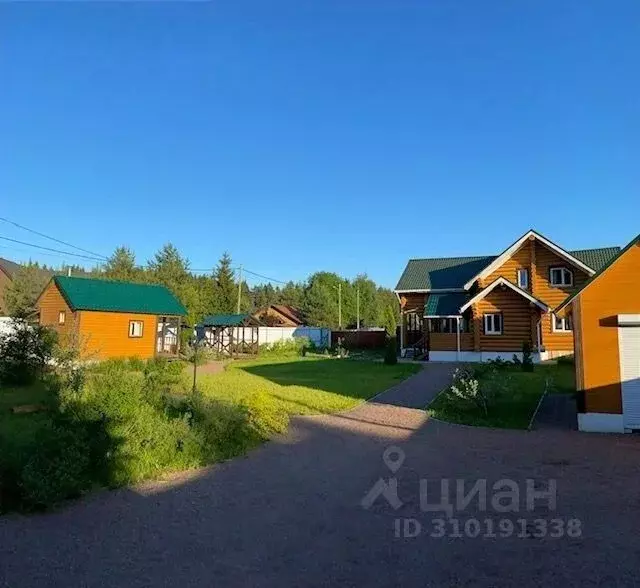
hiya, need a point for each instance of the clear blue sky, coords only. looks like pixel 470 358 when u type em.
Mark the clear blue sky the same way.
pixel 338 135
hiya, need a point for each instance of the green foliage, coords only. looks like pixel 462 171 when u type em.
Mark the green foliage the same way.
pixel 60 466
pixel 24 352
pixel 527 359
pixel 391 351
pixel 121 265
pixel 285 348
pixel 566 360
pixel 226 292
pixel 21 294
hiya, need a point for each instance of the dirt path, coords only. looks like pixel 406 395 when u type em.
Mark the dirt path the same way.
pixel 291 513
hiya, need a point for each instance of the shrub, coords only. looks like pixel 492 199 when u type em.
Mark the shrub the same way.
pixel 499 363
pixel 285 348
pixel 566 360
pixel 391 352
pixel 527 359
pixel 25 352
pixel 60 465
pixel 197 353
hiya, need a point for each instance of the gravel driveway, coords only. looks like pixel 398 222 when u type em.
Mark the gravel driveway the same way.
pixel 291 513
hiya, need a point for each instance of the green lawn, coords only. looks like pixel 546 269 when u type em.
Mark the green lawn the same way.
pixel 306 385
pixel 513 410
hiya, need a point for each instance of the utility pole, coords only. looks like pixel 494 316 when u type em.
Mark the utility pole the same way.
pixel 239 287
pixel 340 304
pixel 358 307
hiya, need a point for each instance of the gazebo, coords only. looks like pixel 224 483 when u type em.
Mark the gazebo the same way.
pixel 230 334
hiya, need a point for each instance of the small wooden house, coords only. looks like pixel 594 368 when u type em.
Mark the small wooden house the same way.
pixel 107 318
pixel 606 316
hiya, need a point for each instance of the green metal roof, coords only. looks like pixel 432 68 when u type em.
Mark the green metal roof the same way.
pixel 596 259
pixel 442 273
pixel 223 320
pixel 112 296
pixel 446 304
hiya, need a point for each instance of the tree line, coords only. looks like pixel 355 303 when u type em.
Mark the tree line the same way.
pixel 217 292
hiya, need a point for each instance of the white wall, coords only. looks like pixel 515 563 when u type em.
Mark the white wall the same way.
pixel 320 336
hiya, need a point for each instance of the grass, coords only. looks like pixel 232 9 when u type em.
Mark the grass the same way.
pixel 510 411
pixel 305 385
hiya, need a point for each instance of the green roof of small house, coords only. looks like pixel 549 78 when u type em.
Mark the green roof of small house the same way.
pixel 445 304
pixel 224 320
pixel 114 296
pixel 442 273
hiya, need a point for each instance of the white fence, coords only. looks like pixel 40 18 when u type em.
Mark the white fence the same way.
pixel 321 337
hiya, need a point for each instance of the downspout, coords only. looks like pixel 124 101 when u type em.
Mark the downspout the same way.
pixel 458 339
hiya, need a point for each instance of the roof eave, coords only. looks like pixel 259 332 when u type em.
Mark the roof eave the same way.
pixel 502 281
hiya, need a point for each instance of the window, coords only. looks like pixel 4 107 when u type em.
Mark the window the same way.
pixel 135 328
pixel 414 322
pixel 560 276
pixel 493 324
pixel 62 317
pixel 561 325
pixel 523 278
pixel 448 325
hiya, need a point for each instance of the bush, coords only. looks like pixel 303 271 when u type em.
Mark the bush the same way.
pixel 391 352
pixel 566 360
pixel 59 467
pixel 25 352
pixel 285 348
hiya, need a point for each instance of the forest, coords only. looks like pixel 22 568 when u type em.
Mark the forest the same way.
pixel 217 291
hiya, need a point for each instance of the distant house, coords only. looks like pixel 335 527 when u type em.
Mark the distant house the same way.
pixel 279 315
pixel 8 270
pixel 605 313
pixel 113 319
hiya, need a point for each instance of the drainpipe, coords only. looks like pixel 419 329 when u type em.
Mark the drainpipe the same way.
pixel 458 339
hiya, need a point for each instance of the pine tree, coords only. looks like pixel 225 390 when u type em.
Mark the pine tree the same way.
pixel 21 294
pixel 122 265
pixel 226 292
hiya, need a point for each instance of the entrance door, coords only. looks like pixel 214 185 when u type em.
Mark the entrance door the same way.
pixel 629 342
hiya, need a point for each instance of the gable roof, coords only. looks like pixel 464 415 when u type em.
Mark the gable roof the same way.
pixel 9 267
pixel 504 282
pixel 293 314
pixel 445 304
pixel 602 270
pixel 113 296
pixel 453 273
pixel 509 251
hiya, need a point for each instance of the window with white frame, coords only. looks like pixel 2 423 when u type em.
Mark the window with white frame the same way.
pixel 62 317
pixel 135 328
pixel 560 276
pixel 561 325
pixel 493 324
pixel 523 278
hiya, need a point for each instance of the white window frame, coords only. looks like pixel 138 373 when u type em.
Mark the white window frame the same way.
pixel 566 272
pixel 523 271
pixel 134 333
pixel 62 317
pixel 490 318
pixel 563 321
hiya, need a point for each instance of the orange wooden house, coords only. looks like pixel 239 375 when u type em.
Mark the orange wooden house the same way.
pixel 480 308
pixel 108 318
pixel 606 316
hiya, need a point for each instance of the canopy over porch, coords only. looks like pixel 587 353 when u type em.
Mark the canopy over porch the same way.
pixel 230 334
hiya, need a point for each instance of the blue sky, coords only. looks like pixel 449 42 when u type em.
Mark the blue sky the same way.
pixel 338 135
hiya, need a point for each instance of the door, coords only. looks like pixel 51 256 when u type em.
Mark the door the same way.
pixel 629 343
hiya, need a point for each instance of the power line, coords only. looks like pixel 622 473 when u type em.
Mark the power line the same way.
pixel 51 249
pixel 6 220
pixel 244 269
